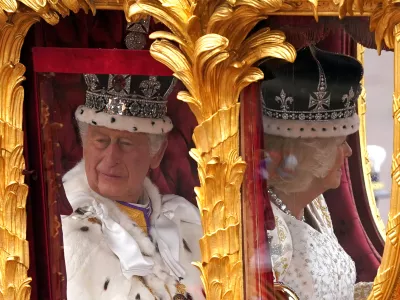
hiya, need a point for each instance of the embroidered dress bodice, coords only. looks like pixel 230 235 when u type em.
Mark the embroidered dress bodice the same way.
pixel 310 260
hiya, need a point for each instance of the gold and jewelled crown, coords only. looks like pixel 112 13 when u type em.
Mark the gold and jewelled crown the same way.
pixel 135 102
pixel 316 96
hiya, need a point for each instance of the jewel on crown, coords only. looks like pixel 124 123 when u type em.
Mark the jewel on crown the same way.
pixel 137 37
pixel 130 95
pixel 126 95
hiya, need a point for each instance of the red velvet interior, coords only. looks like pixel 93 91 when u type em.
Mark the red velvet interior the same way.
pixel 360 194
pixel 341 202
pixel 178 172
pixel 350 231
pixel 97 61
pixel 257 215
pixel 63 93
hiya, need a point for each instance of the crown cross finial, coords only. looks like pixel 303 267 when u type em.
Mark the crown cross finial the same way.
pixel 119 84
pixel 150 87
pixel 136 38
pixel 320 101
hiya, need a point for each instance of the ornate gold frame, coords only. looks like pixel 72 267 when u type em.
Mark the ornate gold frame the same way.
pixel 366 166
pixel 209 52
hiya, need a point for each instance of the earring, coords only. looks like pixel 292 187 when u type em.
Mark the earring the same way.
pixel 287 168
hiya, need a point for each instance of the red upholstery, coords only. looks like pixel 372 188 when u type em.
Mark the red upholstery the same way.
pixel 341 202
pixel 177 173
pixel 256 209
pixel 360 194
pixel 349 230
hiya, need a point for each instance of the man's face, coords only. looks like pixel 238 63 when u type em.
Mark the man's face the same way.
pixel 116 162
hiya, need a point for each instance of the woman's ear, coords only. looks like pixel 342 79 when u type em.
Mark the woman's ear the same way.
pixel 275 165
pixel 156 159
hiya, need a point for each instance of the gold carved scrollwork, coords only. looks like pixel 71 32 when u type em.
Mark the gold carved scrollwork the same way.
pixel 16 17
pixel 386 282
pixel 14 252
pixel 383 21
pixel 47 10
pixel 210 51
pixel 365 163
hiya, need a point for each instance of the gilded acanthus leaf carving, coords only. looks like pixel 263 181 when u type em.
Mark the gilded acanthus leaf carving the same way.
pixel 49 11
pixel 210 49
pixel 14 252
pixel 348 7
pixel 383 21
pixel 388 273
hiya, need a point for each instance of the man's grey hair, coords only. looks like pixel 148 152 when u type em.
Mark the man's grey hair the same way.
pixel 315 158
pixel 155 140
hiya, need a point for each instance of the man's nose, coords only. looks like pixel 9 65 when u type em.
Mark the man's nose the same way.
pixel 113 154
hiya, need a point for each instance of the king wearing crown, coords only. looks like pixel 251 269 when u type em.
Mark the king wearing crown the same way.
pixel 124 240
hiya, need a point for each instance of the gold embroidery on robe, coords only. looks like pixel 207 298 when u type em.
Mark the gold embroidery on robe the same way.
pixel 135 215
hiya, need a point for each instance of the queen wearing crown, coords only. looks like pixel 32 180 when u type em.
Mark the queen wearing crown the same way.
pixel 124 240
pixel 309 109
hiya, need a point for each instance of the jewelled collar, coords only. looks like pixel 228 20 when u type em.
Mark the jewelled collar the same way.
pixel 282 206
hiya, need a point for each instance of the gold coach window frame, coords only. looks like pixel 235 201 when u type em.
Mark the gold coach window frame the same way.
pixel 204 49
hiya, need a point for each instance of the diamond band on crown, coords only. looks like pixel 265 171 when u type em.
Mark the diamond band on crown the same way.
pixel 347 111
pixel 119 98
pixel 113 105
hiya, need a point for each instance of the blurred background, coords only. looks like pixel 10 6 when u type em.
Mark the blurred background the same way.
pixel 379 76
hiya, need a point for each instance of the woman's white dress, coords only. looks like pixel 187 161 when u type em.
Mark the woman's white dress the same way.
pixel 310 260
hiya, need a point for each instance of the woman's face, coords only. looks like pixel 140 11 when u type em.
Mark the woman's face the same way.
pixel 332 179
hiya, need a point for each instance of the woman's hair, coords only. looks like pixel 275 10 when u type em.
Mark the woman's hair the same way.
pixel 155 140
pixel 314 157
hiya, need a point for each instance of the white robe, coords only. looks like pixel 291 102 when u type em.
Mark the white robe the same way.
pixel 311 261
pixel 95 272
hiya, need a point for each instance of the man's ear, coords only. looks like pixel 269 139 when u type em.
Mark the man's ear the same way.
pixel 156 159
